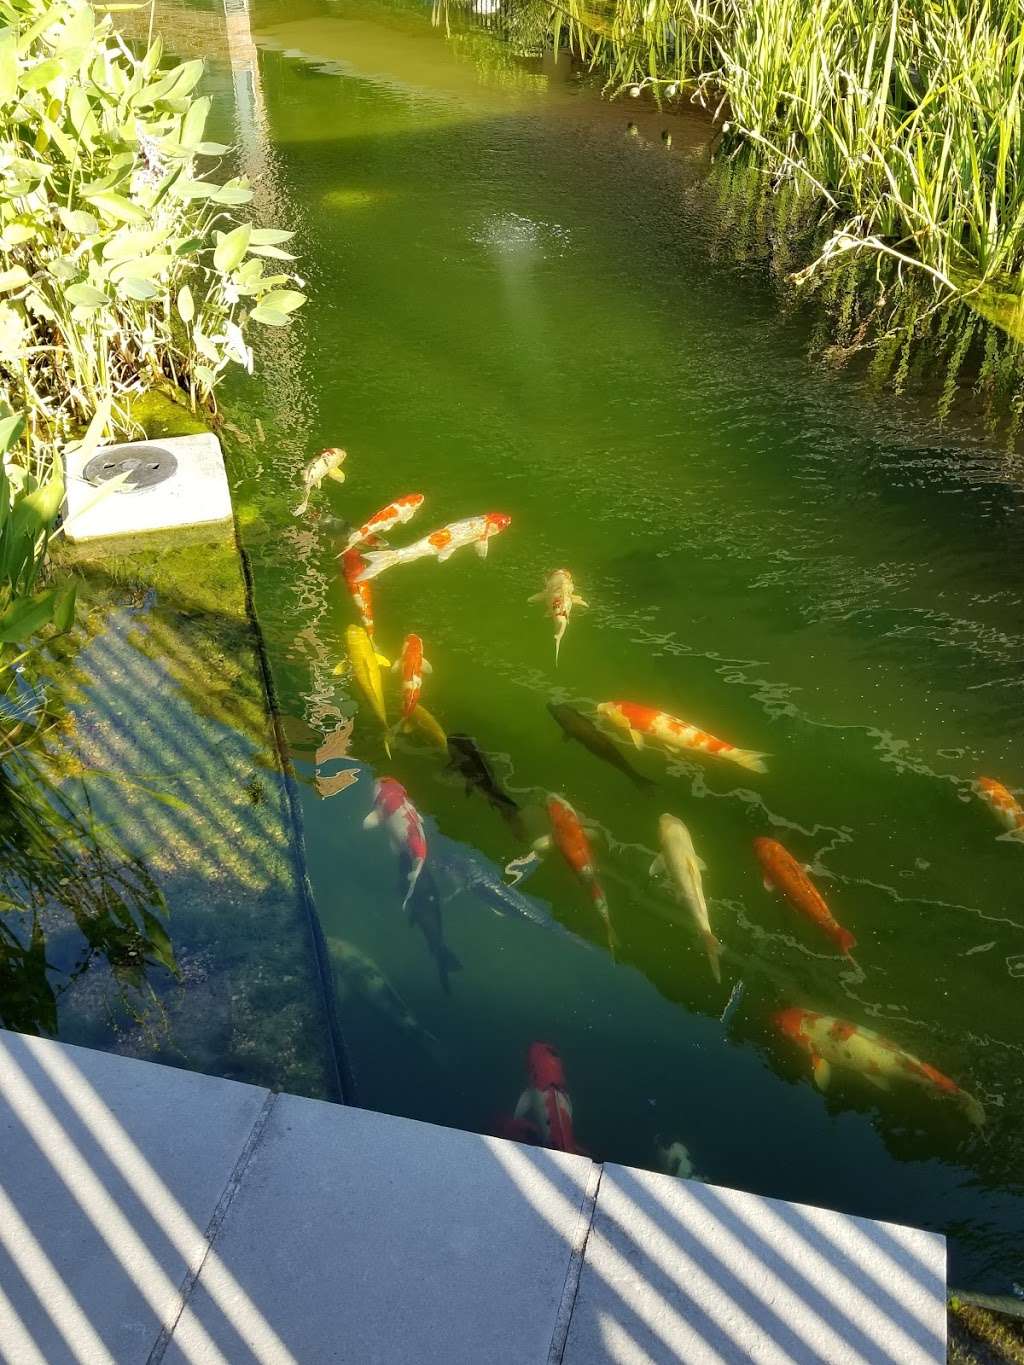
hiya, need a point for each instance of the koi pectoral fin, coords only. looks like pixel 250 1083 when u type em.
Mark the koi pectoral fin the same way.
pixel 426 666
pixel 881 1082
pixel 657 868
pixel 338 475
pixel 636 737
pixel 372 820
pixel 578 601
pixel 537 597
pixel 384 663
pixel 482 546
pixel 821 1071
pixel 542 844
pixel 768 884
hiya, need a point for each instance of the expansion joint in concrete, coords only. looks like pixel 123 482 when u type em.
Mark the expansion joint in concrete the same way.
pixel 234 1184
pixel 574 1269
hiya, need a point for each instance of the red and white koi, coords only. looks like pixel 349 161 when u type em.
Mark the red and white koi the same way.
pixel 836 1043
pixel 545 1108
pixel 570 839
pixel 781 871
pixel 412 666
pixel 396 513
pixel 560 596
pixel 1007 809
pixel 644 722
pixel 393 809
pixel 352 565
pixel 442 544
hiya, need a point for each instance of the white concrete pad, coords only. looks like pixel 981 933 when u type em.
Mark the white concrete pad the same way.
pixel 678 1271
pixel 111 1171
pixel 196 494
pixel 380 1241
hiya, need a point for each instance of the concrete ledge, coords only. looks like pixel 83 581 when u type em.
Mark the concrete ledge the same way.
pixel 196 494
pixel 149 1214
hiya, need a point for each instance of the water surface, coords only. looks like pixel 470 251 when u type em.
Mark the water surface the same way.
pixel 512 308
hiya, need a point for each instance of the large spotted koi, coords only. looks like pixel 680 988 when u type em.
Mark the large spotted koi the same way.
pixel 782 872
pixel 1007 809
pixel 442 544
pixel 836 1043
pixel 393 809
pixel 396 513
pixel 644 722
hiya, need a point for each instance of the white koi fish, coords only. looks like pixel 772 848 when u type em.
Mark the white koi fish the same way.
pixel 393 809
pixel 560 596
pixel 326 465
pixel 679 859
pixel 475 531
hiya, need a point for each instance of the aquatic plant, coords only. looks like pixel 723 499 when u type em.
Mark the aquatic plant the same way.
pixel 123 264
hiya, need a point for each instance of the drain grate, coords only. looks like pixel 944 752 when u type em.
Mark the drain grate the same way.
pixel 146 464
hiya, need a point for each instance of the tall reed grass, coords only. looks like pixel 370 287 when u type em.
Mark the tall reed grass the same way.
pixel 902 119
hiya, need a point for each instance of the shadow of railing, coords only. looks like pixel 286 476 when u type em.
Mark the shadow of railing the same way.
pixel 98 1247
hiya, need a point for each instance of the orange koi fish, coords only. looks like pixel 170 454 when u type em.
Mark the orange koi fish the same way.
pixel 352 564
pixel 834 1042
pixel 569 837
pixel 396 513
pixel 1008 810
pixel 476 531
pixel 643 721
pixel 412 666
pixel 782 871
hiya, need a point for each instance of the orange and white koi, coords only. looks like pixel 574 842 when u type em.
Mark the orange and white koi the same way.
pixel 781 871
pixel 836 1043
pixel 568 835
pixel 1008 810
pixel 644 722
pixel 560 596
pixel 396 513
pixel 393 809
pixel 442 544
pixel 352 565
pixel 544 1109
pixel 412 666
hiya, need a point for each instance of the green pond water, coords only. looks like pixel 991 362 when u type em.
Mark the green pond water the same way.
pixel 513 307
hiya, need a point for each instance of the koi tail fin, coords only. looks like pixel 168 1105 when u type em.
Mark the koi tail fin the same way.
pixel 973 1108
pixel 746 758
pixel 387 742
pixel 376 561
pixel 714 951
pixel 303 506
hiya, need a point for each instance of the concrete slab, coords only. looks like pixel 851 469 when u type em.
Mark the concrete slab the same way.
pixel 196 494
pixel 679 1271
pixel 370 1239
pixel 112 1170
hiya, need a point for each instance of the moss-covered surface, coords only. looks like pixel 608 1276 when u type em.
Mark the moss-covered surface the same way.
pixel 978 1336
pixel 167 742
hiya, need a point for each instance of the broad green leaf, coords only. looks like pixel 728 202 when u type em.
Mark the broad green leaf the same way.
pixel 78 31
pixel 206 347
pixel 14 234
pixel 231 247
pixel 269 317
pixel 194 122
pixel 270 236
pixel 186 304
pixel 232 194
pixel 212 149
pixel 10 431
pixel 26 615
pixel 283 300
pixel 144 268
pixel 42 74
pixel 116 206
pixel 13 278
pixel 64 607
pixel 273 252
pixel 79 222
pixel 44 502
pixel 126 245
pixel 84 295
pixel 8 67
pixel 194 189
pixel 137 288
pixel 83 120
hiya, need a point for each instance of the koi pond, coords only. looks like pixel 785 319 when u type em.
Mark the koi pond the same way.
pixel 516 308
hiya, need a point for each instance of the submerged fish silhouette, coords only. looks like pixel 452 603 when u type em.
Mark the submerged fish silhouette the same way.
pixel 580 728
pixel 467 759
pixel 425 913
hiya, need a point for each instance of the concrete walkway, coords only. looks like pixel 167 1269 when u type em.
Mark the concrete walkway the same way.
pixel 151 1214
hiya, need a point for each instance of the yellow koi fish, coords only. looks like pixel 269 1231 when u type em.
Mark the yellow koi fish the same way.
pixel 366 664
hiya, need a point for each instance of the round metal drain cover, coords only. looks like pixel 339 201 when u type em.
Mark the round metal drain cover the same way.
pixel 145 464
